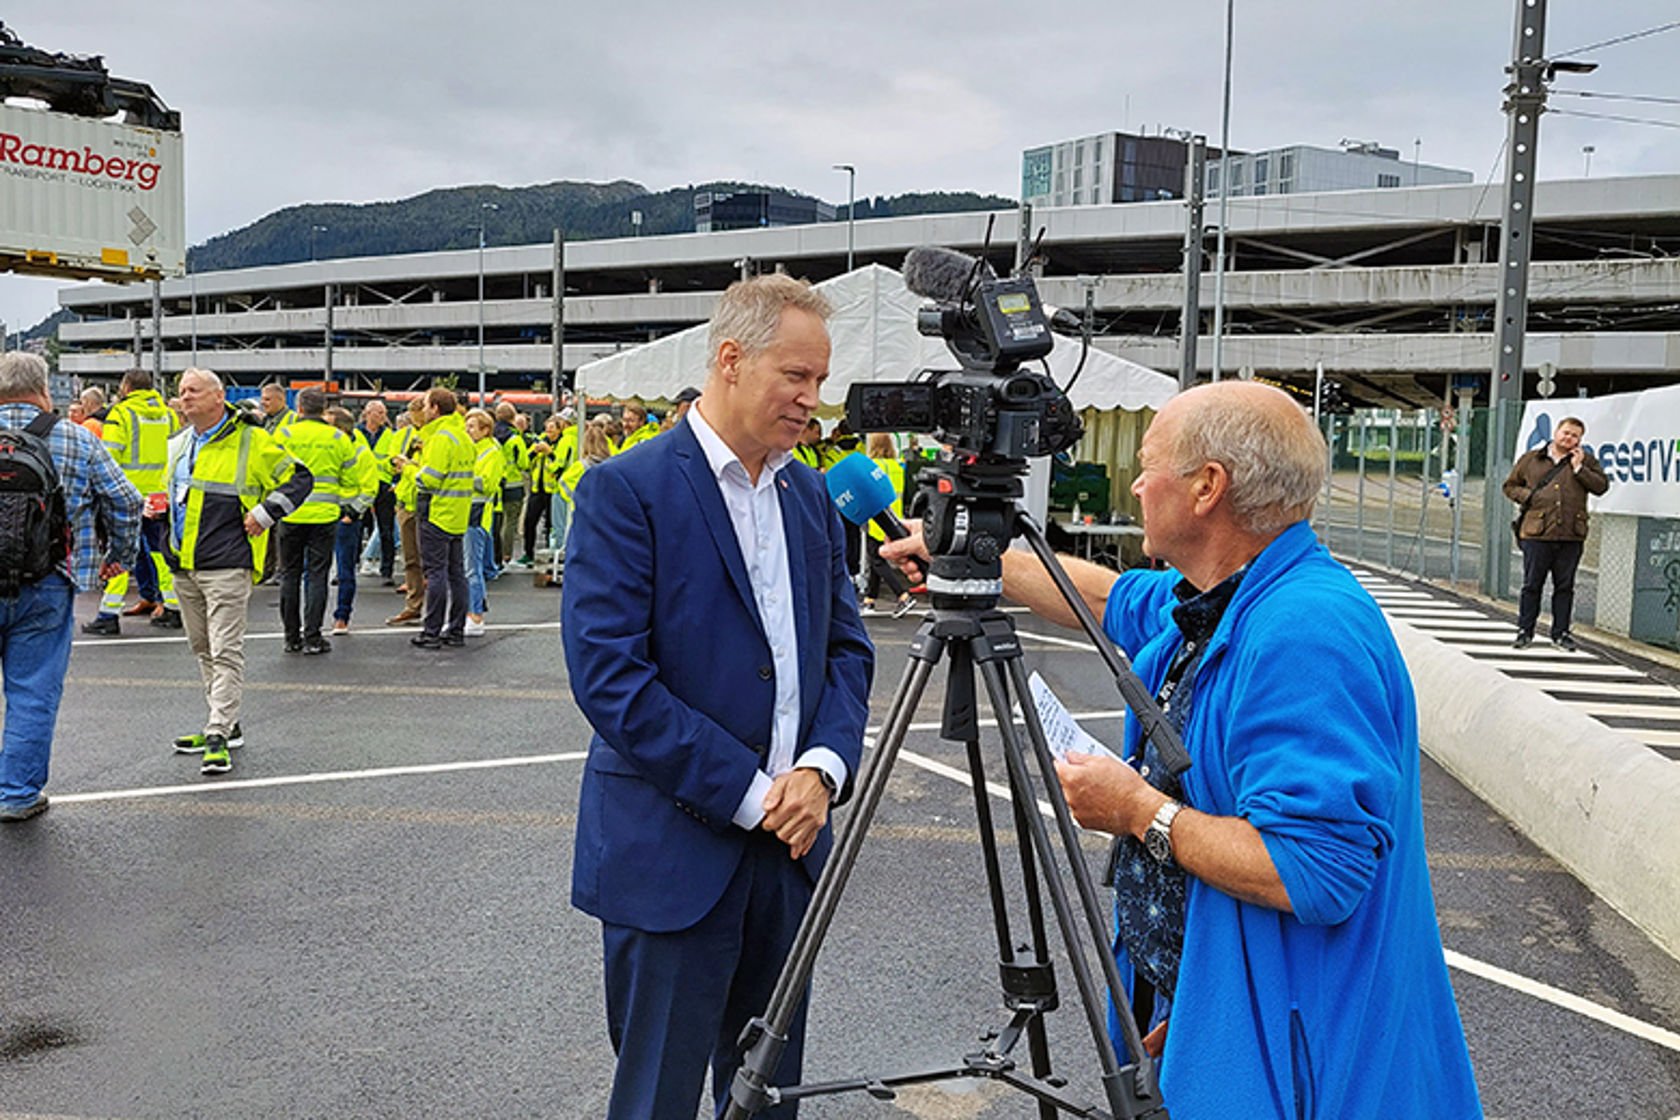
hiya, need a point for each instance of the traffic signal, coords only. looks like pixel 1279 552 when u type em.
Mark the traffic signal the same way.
pixel 1332 400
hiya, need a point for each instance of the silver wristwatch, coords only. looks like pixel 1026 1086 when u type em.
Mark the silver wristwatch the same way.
pixel 1157 838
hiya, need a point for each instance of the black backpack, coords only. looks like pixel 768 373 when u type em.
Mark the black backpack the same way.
pixel 34 530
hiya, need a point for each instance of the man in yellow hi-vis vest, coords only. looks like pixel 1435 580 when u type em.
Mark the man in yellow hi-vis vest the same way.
pixel 229 484
pixel 444 487
pixel 306 547
pixel 136 433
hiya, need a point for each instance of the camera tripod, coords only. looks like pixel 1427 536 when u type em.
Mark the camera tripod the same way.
pixel 966 624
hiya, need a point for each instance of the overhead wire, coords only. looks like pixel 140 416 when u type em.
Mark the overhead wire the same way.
pixel 1616 117
pixel 1620 39
pixel 1646 98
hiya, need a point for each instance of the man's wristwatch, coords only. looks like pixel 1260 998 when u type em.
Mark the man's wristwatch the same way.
pixel 1157 838
pixel 828 783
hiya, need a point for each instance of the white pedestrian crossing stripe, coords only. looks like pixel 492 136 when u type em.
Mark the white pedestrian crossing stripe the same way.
pixel 1619 696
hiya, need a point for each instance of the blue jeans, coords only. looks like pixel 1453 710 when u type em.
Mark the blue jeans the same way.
pixel 481 560
pixel 145 569
pixel 34 656
pixel 559 514
pixel 346 545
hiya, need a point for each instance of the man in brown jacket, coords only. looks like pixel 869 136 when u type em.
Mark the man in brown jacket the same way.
pixel 1551 484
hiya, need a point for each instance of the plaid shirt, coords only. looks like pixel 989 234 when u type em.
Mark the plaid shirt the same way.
pixel 98 498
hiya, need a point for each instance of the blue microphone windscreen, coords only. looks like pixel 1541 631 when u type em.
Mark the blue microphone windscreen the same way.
pixel 860 489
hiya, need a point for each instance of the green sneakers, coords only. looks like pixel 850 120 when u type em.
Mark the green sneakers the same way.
pixel 194 744
pixel 217 760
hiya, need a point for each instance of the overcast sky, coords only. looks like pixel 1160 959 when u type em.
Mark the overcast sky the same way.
pixel 311 101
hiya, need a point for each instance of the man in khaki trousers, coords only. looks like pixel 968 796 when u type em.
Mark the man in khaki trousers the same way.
pixel 229 482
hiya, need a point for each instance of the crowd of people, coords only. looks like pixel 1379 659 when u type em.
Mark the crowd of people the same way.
pixel 330 500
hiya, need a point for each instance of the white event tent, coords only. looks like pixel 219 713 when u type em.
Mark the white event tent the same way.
pixel 874 333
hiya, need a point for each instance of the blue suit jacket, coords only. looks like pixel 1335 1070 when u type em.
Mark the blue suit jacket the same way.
pixel 669 662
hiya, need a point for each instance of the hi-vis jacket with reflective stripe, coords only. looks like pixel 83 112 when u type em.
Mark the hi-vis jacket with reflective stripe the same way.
pixel 387 443
pixel 403 481
pixel 641 435
pixel 368 475
pixel 489 470
pixel 345 476
pixel 563 455
pixel 241 470
pixel 445 478
pixel 136 433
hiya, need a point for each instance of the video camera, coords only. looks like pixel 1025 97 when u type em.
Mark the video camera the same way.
pixel 989 408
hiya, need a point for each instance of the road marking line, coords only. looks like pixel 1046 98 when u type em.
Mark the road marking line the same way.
pixel 324 686
pixel 381 632
pixel 316 778
pixel 1566 1000
pixel 1056 640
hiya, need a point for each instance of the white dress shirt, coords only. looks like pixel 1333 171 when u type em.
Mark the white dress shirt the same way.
pixel 755 512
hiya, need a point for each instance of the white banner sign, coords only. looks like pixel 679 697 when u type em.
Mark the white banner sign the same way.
pixel 1636 438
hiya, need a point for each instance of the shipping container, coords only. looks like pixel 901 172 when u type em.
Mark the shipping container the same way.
pixel 92 199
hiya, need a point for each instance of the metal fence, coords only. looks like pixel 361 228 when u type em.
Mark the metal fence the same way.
pixel 1405 491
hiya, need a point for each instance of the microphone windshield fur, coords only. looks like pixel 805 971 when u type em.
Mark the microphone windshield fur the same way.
pixel 939 274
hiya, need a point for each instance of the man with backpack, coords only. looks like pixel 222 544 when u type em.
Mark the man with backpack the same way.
pixel 59 488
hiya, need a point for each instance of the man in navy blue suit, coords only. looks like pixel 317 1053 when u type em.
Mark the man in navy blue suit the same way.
pixel 713 641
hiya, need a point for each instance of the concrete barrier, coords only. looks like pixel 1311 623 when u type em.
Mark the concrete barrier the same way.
pixel 1603 804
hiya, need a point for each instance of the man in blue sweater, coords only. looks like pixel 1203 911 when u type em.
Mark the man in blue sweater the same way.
pixel 1274 897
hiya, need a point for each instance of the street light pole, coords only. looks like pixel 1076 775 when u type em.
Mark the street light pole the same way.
pixel 1586 151
pixel 1224 202
pixel 313 230
pixel 851 212
pixel 482 207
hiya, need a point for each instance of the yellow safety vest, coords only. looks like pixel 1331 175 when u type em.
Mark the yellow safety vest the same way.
pixel 340 468
pixel 489 468
pixel 446 473
pixel 561 457
pixel 136 433
pixel 516 458
pixel 809 454
pixel 243 460
pixel 895 471
pixel 404 485
pixel 641 435
pixel 387 443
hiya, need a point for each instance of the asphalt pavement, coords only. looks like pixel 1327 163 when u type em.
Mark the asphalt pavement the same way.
pixel 369 916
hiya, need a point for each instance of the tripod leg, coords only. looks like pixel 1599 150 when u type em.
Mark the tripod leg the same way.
pixel 1145 1087
pixel 766 1036
pixel 1140 1096
pixel 1038 1043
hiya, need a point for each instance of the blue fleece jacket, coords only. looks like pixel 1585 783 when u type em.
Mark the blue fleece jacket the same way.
pixel 1303 723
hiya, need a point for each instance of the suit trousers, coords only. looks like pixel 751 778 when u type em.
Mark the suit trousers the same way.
pixel 306 553
pixel 414 579
pixel 1557 559
pixel 443 555
pixel 213 612
pixel 677 1002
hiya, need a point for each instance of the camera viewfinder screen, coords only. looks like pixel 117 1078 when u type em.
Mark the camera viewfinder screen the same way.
pixel 894 408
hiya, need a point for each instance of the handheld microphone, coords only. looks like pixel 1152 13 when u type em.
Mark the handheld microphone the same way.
pixel 940 274
pixel 862 492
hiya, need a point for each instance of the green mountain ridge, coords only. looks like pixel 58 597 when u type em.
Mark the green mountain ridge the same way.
pixel 448 218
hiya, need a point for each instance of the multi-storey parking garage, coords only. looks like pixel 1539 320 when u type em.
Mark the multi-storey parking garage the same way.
pixel 1391 290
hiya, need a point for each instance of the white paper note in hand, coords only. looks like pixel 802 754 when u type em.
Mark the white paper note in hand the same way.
pixel 1061 730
